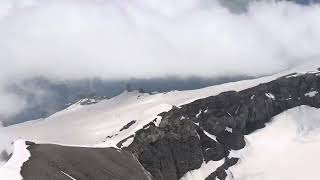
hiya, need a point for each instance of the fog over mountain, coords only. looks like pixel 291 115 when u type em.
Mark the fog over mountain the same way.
pixel 72 40
pixel 159 89
pixel 45 97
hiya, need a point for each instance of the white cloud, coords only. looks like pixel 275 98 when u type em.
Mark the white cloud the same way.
pixel 73 39
pixel 121 39
pixel 10 104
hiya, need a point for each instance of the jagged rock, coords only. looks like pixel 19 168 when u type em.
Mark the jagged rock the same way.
pixel 213 125
pixel 214 153
pixel 229 162
pixel 169 158
pixel 168 153
pixel 234 140
pixel 29 143
pixel 211 149
pixel 219 173
pixel 178 145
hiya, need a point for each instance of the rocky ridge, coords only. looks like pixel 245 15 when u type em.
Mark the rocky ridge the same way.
pixel 208 129
pixel 205 130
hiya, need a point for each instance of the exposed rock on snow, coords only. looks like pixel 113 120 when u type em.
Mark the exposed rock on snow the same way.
pixel 172 149
pixel 232 140
pixel 128 125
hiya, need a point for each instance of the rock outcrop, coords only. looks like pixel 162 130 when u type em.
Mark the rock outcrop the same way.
pixel 207 129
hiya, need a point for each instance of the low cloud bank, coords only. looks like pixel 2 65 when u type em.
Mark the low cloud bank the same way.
pixel 109 39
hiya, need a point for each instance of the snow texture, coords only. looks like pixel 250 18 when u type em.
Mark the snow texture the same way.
pixel 11 169
pixel 285 149
pixel 271 96
pixel 199 113
pixel 311 94
pixel 204 171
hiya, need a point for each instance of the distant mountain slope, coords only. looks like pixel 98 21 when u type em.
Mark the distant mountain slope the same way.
pixel 107 117
pixel 45 97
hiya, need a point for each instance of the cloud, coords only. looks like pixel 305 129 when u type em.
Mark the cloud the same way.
pixel 10 104
pixel 111 39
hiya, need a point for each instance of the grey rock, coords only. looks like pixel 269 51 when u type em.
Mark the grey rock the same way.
pixel 229 162
pixel 219 173
pixel 178 145
pixel 53 162
pixel 234 140
pixel 127 126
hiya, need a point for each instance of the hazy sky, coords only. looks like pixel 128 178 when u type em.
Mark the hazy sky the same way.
pixel 120 39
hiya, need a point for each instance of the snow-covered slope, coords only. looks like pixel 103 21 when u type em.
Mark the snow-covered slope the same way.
pixel 102 124
pixel 286 149
pixel 90 125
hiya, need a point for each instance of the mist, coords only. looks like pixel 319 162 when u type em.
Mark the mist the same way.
pixel 120 40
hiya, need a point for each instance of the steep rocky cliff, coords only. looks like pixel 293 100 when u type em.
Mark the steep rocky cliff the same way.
pixel 208 129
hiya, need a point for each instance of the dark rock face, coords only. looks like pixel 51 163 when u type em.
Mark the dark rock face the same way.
pixel 54 162
pixel 128 125
pixel 211 150
pixel 174 151
pixel 221 171
pixel 29 143
pixel 181 142
pixel 232 140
